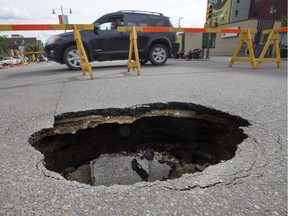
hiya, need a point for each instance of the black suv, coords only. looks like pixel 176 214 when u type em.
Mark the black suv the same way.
pixel 106 43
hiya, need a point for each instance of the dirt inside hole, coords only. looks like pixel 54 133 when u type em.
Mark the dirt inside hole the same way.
pixel 183 138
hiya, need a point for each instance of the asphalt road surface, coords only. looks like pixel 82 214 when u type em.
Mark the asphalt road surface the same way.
pixel 254 182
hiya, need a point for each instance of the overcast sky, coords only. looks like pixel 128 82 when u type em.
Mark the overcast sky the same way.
pixel 87 11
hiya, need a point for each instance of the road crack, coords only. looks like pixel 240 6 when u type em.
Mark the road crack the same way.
pixel 59 98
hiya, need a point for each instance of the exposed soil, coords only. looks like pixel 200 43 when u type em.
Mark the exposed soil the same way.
pixel 187 137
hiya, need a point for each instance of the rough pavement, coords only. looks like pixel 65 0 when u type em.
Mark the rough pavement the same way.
pixel 254 182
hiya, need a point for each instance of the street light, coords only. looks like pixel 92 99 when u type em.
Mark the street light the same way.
pixel 62 14
pixel 179 21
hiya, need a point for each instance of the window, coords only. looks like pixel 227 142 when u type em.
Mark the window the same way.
pixel 212 41
pixel 263 38
pixel 256 1
pixel 236 13
pixel 255 13
pixel 273 9
pixel 110 23
pixel 137 20
pixel 238 1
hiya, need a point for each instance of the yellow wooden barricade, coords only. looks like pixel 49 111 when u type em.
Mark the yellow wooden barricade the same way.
pixel 245 37
pixel 132 64
pixel 273 37
pixel 24 62
pixel 84 62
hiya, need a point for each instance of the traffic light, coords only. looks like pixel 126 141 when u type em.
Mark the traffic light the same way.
pixel 214 24
pixel 209 11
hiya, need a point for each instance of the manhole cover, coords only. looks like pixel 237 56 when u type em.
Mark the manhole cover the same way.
pixel 144 143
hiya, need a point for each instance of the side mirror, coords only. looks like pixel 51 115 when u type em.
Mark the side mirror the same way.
pixel 96 26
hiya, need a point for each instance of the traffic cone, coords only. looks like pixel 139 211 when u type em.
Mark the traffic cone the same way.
pixel 11 64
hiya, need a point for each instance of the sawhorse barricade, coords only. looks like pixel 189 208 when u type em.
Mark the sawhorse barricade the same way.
pixel 24 62
pixel 273 37
pixel 84 63
pixel 132 64
pixel 245 37
pixel 133 46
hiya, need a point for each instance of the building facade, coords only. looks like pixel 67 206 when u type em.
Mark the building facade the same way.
pixel 239 10
pixel 17 43
pixel 243 14
pixel 268 9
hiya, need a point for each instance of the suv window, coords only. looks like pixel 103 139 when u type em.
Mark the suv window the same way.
pixel 111 23
pixel 137 20
pixel 159 21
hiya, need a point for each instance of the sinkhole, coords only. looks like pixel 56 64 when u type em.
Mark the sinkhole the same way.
pixel 147 142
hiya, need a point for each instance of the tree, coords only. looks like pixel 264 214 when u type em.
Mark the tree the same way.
pixel 3 46
pixel 284 20
pixel 33 48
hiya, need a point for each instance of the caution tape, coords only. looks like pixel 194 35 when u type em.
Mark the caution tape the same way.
pixel 195 30
pixel 281 30
pixel 32 27
pixel 170 29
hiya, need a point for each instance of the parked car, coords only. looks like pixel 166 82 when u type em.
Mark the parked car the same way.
pixel 42 58
pixel 18 59
pixel 106 43
pixel 27 59
pixel 6 61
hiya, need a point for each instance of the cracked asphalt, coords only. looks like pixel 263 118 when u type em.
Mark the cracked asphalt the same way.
pixel 254 182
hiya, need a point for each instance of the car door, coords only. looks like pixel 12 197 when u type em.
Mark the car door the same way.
pixel 108 43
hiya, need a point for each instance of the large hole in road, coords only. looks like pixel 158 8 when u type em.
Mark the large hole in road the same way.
pixel 147 142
